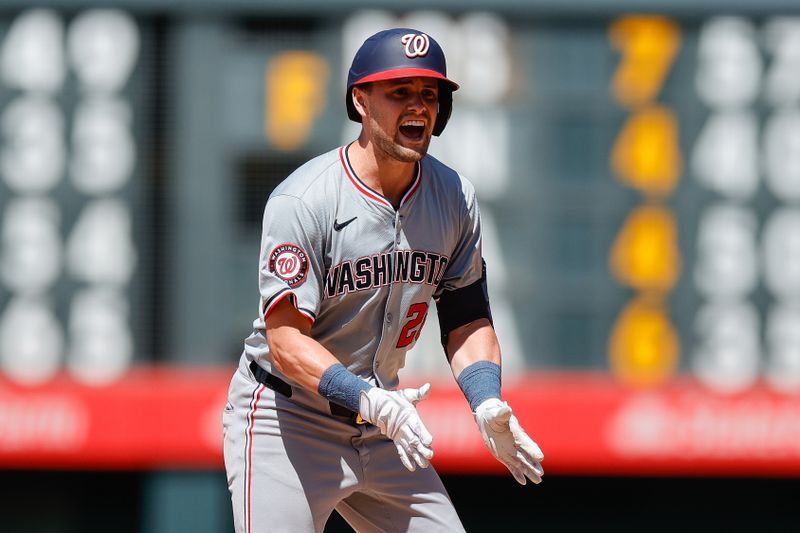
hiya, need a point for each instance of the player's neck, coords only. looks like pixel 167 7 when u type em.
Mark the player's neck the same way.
pixel 383 174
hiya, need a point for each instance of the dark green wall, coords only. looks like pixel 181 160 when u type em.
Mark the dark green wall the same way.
pixel 197 502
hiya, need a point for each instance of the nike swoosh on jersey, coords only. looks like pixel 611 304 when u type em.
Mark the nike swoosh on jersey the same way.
pixel 340 227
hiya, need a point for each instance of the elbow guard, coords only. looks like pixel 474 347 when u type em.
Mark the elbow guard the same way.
pixel 462 306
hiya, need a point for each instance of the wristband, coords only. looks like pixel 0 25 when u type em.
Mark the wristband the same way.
pixel 480 381
pixel 342 387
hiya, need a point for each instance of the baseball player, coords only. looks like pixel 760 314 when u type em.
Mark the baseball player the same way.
pixel 356 244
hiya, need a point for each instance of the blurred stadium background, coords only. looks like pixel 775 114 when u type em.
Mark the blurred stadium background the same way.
pixel 638 165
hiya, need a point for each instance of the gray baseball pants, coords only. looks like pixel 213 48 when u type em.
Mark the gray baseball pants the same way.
pixel 290 463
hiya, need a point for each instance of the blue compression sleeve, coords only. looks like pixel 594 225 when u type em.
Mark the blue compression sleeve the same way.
pixel 480 381
pixel 342 387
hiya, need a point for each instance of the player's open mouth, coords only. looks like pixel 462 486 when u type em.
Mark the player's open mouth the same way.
pixel 413 129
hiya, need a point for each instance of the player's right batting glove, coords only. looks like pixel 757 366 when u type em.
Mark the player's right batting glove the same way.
pixel 508 442
pixel 395 414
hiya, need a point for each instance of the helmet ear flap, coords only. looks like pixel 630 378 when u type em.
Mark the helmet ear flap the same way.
pixel 445 108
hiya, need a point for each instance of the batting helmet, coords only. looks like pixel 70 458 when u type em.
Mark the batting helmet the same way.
pixel 401 53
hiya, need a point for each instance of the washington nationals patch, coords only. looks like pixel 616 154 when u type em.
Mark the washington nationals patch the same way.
pixel 290 263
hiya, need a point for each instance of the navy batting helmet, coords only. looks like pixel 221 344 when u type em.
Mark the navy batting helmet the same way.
pixel 401 53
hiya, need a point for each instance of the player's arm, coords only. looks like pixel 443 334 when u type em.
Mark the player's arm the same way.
pixel 298 356
pixel 474 355
pixel 309 364
pixel 471 343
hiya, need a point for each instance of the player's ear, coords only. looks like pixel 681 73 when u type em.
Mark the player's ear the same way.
pixel 359 96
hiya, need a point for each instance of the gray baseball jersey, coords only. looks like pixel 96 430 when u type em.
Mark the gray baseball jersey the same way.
pixel 364 273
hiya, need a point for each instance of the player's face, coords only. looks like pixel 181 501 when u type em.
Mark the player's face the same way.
pixel 400 116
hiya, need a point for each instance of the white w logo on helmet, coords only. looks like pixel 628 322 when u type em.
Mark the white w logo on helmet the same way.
pixel 416 44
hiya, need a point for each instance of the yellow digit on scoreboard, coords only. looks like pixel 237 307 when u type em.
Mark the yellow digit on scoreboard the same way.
pixel 296 83
pixel 646 155
pixel 644 348
pixel 645 255
pixel 648 45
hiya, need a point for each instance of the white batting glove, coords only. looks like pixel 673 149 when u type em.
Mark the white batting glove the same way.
pixel 508 442
pixel 395 414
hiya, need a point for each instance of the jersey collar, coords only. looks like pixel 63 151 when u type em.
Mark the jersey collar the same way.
pixel 371 194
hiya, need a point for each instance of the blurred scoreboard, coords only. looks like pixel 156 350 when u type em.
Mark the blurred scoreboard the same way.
pixel 72 182
pixel 639 177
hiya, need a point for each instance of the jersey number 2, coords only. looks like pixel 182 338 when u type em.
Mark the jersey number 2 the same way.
pixel 416 315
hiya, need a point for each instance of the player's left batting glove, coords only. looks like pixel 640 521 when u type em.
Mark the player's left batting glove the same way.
pixel 508 442
pixel 395 414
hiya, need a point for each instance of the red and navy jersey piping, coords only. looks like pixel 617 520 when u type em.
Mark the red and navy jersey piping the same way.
pixel 280 295
pixel 365 190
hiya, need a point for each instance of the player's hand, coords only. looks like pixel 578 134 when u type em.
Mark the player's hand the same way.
pixel 508 442
pixel 395 414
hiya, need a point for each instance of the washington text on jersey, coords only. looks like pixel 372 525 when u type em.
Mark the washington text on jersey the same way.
pixel 397 266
